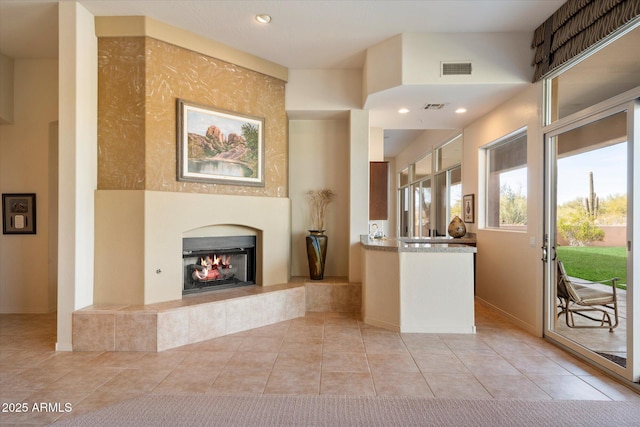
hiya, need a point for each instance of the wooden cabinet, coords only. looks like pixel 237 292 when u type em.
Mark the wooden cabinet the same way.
pixel 378 191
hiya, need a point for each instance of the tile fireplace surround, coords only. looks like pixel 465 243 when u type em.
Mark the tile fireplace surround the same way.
pixel 192 319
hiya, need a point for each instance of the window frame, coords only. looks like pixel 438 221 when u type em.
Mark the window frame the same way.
pixel 520 134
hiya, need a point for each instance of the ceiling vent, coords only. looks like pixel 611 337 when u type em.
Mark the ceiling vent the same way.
pixel 433 106
pixel 455 68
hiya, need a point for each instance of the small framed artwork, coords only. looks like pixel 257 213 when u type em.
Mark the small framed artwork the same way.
pixel 219 147
pixel 468 208
pixel 19 213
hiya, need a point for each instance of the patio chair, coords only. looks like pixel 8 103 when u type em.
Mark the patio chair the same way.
pixel 582 300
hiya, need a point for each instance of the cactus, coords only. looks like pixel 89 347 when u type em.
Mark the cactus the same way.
pixel 591 203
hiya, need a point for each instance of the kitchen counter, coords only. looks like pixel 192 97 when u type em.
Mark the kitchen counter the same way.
pixel 419 285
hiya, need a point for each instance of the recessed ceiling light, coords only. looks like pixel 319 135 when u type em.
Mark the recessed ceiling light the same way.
pixel 263 18
pixel 403 110
pixel 461 110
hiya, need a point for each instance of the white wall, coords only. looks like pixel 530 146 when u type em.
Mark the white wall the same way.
pixel 358 189
pixel 315 91
pixel 6 89
pixel 319 158
pixel 24 154
pixel 78 88
pixel 508 267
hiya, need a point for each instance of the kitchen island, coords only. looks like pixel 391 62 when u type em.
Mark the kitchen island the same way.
pixel 419 285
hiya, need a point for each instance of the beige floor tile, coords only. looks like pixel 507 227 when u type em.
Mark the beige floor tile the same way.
pixel 252 360
pixel 229 343
pixel 69 360
pixel 347 383
pixel 337 345
pixel 305 331
pixel 135 380
pixel 187 380
pixel 83 380
pixel 293 381
pixel 462 342
pixel 240 382
pixel 278 330
pixel 511 387
pixel 563 387
pixel 299 361
pixel 488 365
pixel 341 322
pixel 22 359
pixel 122 359
pixel 301 344
pixel 439 363
pixel 206 359
pixel 536 365
pixel 162 360
pixel 612 389
pixel 401 384
pixel 262 344
pixel 342 333
pixel 424 343
pixel 455 386
pixel 34 378
pixel 383 363
pixel 345 362
pixel 384 344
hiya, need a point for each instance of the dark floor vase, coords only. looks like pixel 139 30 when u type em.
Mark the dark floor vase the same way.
pixel 316 253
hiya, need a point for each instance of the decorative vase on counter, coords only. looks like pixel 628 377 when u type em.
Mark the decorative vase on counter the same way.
pixel 316 253
pixel 457 228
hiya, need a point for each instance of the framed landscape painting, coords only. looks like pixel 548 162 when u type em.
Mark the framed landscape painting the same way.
pixel 219 147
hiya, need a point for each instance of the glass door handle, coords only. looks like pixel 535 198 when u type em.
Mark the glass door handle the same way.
pixel 544 254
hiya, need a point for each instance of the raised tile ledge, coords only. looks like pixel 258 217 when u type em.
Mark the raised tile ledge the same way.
pixel 195 318
pixel 332 294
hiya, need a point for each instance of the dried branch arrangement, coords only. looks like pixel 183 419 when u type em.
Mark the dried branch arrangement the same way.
pixel 318 202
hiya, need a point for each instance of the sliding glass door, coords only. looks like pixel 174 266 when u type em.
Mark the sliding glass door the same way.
pixel 588 234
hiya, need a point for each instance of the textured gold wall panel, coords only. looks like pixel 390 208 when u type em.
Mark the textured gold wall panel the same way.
pixel 121 107
pixel 171 72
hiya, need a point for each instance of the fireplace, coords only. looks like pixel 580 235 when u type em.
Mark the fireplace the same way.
pixel 211 263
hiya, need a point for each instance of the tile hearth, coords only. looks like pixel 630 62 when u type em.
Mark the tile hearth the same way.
pixel 197 318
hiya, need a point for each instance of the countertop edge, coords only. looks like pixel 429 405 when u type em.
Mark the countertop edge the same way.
pixel 415 245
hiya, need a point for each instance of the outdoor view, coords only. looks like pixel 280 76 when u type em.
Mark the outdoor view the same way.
pixel 591 226
pixel 592 213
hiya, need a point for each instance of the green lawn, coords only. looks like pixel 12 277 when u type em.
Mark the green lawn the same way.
pixel 595 263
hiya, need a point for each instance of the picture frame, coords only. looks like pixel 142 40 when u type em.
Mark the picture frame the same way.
pixel 217 146
pixel 468 210
pixel 18 213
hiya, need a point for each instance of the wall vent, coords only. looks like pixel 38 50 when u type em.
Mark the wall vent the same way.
pixel 433 106
pixel 456 68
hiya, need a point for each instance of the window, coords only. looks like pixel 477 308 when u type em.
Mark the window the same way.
pixel 506 181
pixel 403 201
pixel 427 201
pixel 421 185
pixel 447 185
pixel 448 196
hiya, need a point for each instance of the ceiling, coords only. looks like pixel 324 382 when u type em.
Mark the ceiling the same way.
pixel 305 34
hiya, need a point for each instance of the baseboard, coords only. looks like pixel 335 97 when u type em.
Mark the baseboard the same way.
pixel 527 327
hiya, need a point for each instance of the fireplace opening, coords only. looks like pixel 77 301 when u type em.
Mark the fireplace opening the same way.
pixel 211 263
